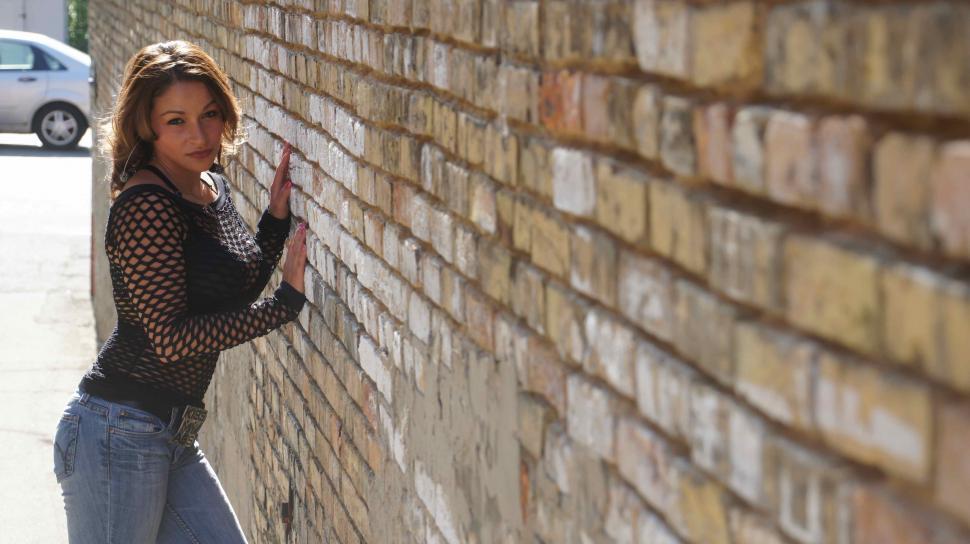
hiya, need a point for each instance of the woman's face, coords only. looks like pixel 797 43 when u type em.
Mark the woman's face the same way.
pixel 189 125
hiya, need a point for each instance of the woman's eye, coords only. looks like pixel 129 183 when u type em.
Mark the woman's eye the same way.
pixel 212 113
pixel 175 122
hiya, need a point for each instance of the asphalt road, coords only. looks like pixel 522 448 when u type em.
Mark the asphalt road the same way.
pixel 47 337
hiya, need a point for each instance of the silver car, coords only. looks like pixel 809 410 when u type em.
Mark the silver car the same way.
pixel 44 88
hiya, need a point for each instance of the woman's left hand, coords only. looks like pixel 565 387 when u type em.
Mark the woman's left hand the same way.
pixel 279 191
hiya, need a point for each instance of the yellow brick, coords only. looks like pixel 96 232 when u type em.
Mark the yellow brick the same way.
pixel 621 201
pixel 702 503
pixel 677 226
pixel 875 417
pixel 550 244
pixel 832 291
pixel 725 45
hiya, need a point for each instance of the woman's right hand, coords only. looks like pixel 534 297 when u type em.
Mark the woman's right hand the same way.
pixel 296 259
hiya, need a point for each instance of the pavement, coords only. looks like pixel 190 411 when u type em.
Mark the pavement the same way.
pixel 47 337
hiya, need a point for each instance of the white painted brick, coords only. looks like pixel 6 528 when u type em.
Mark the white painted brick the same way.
pixel 442 234
pixel 611 351
pixel 590 416
pixel 419 317
pixel 573 185
pixel 374 365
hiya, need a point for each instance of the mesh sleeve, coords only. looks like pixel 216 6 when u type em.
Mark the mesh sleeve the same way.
pixel 147 231
pixel 271 235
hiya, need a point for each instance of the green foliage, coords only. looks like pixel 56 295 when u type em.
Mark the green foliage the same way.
pixel 77 24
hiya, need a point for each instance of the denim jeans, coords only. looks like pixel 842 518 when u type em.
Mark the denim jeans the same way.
pixel 123 481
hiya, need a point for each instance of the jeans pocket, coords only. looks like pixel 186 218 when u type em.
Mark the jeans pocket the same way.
pixel 137 422
pixel 65 446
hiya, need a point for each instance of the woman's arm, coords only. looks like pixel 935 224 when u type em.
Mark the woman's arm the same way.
pixel 147 234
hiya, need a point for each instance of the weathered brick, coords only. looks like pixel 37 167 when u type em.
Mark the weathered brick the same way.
pixel 590 416
pixel 832 291
pixel 646 120
pixel 712 135
pixel 483 212
pixel 661 36
pixel 748 143
pixel 881 517
pixel 807 49
pixel 790 159
pixel 535 166
pixel 611 349
pixel 874 416
pixel 593 270
pixel 703 507
pixel 520 33
pixel 950 198
pixel 704 330
pixel 645 294
pixel 495 271
pixel 621 200
pixel 843 153
pixel 805 491
pixel 678 226
pixel 774 372
pixel 560 105
pixel 952 463
pixel 725 45
pixel 528 296
pixel 750 528
pixel 539 370
pixel 746 257
pixel 550 244
pixel 479 318
pixel 645 460
pixel 902 163
pixel 677 150
pixel 565 318
pixel 663 389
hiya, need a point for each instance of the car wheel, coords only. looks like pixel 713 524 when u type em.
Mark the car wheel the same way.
pixel 59 126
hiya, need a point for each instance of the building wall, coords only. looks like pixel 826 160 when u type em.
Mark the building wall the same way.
pixel 47 17
pixel 653 271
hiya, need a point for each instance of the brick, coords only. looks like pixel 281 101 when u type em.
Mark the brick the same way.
pixel 883 518
pixel 750 528
pixel 790 159
pixel 645 293
pixel 703 330
pixel 528 296
pixel 703 505
pixel 712 135
pixel 573 184
pixel 593 270
pixel 678 226
pixel 560 101
pixel 725 46
pixel 466 251
pixel 807 49
pixel 663 387
pixel 443 234
pixel 746 257
pixel 550 244
pixel 533 417
pixel 875 417
pixel 950 198
pixel 774 373
pixel 843 155
pixel 590 416
pixel 952 331
pixel 456 188
pixel 645 460
pixel 596 93
pixel 901 197
pixel 832 291
pixel 520 33
pixel 805 491
pixel 565 318
pixel 535 166
pixel 621 200
pixel 518 93
pixel 952 464
pixel 501 148
pixel 611 349
pixel 661 37
pixel 646 121
pixel 540 371
pixel 479 318
pixel 912 315
pixel 495 271
pixel 677 148
pixel 483 212
pixel 748 143
pixel 707 432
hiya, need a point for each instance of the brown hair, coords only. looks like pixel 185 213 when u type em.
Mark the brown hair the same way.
pixel 127 134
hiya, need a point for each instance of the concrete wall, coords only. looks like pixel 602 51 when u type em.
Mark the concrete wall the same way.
pixel 47 17
pixel 653 271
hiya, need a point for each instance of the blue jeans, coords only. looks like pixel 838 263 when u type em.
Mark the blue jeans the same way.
pixel 124 482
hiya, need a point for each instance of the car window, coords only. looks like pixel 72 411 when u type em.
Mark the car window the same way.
pixel 16 56
pixel 52 62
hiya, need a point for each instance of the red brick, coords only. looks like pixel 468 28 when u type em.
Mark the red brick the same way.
pixel 950 199
pixel 560 106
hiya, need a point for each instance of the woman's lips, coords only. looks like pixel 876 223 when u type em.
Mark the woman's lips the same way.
pixel 201 154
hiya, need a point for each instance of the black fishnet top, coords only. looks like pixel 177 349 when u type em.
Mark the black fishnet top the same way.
pixel 185 279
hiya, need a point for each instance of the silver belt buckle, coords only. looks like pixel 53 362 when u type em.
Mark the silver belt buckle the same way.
pixel 192 419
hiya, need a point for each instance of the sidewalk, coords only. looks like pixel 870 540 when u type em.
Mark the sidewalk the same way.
pixel 47 337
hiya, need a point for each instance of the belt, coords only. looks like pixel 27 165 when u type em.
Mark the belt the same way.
pixel 187 419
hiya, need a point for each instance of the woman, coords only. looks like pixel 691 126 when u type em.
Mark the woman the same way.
pixel 186 274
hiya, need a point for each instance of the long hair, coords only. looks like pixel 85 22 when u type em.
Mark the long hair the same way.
pixel 127 134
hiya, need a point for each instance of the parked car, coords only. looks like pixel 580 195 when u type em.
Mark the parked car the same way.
pixel 44 88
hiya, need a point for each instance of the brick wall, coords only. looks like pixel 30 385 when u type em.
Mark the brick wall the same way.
pixel 653 271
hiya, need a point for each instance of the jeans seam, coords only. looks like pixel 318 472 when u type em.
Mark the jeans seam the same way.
pixel 181 523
